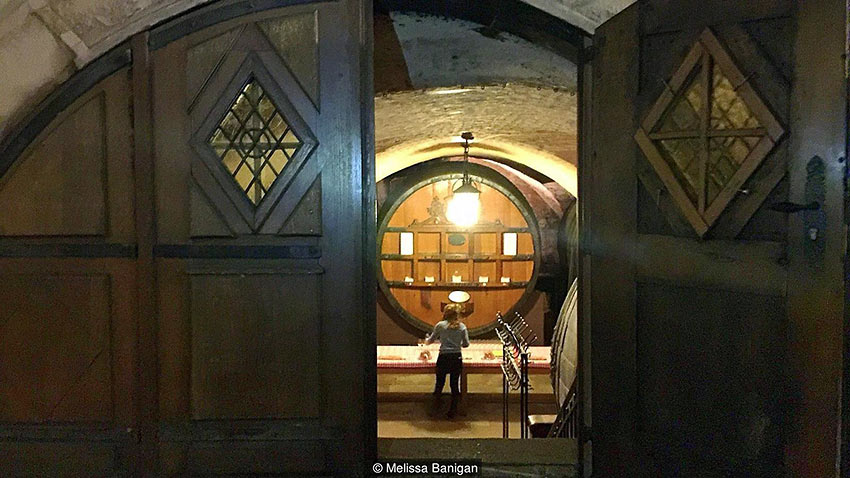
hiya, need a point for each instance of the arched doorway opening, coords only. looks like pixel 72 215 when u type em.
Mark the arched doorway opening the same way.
pixel 522 106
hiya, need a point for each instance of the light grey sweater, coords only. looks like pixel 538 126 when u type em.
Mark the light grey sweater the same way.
pixel 451 340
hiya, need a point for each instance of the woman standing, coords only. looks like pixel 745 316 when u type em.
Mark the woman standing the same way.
pixel 452 335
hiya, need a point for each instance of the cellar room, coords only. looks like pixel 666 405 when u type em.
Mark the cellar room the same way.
pixel 482 126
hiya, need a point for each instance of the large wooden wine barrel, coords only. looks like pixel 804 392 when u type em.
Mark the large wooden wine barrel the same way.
pixel 565 346
pixel 423 256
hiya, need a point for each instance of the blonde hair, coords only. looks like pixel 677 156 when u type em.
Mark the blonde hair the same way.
pixel 452 313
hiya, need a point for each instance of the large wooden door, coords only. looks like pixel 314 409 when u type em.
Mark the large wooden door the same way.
pixel 713 298
pixel 187 278
pixel 262 199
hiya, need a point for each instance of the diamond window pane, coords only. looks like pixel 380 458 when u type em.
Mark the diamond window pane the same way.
pixel 278 161
pixel 254 142
pixel 290 139
pixel 231 161
pixel 244 177
pixel 705 131
pixel 683 115
pixel 278 126
pixel 726 155
pixel 683 157
pixel 728 110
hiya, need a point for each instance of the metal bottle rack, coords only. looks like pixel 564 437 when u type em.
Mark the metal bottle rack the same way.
pixel 516 337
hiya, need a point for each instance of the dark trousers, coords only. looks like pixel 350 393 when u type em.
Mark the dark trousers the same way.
pixel 449 364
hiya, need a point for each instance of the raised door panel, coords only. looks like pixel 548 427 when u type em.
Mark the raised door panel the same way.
pixel 242 97
pixel 67 366
pixel 63 460
pixel 254 345
pixel 56 359
pixel 41 198
pixel 75 179
pixel 711 364
pixel 746 156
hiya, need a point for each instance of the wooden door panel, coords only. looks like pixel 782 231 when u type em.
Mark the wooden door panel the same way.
pixel 661 54
pixel 61 459
pixel 68 319
pixel 254 351
pixel 155 320
pixel 41 198
pixel 67 366
pixel 711 380
pixel 311 458
pixel 73 181
pixel 66 377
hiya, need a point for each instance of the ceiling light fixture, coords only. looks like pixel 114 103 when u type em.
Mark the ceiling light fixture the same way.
pixel 464 206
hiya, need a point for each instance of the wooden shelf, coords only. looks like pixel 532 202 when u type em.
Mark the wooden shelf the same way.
pixel 457 257
pixel 452 229
pixel 457 285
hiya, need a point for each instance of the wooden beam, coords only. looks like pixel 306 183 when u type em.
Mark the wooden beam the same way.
pixel 717 133
pixel 705 124
pixel 816 281
pixel 608 231
pixel 147 397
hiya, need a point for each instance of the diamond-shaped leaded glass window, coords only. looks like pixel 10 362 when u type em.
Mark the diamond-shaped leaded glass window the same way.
pixel 254 141
pixel 707 133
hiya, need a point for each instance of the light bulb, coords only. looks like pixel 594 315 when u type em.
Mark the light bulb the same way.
pixel 463 208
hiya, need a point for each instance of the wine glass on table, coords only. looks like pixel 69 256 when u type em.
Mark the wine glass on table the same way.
pixel 424 353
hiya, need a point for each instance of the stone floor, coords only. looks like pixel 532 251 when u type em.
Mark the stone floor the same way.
pixel 480 415
pixel 476 420
pixel 406 431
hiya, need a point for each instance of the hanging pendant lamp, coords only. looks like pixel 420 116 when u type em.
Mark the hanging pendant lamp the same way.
pixel 465 204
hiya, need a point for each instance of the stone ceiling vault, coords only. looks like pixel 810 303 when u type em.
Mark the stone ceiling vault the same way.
pixel 58 37
pixel 529 124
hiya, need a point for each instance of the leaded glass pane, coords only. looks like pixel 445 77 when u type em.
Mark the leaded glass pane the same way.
pixel 728 110
pixel 683 114
pixel 254 142
pixel 683 157
pixel 725 157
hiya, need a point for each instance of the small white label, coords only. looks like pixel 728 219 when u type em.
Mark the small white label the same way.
pixel 457 278
pixel 483 279
pixel 406 243
pixel 506 280
pixel 509 240
pixel 429 279
pixel 408 279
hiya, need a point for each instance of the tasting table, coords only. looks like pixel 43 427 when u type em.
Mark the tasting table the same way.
pixel 405 359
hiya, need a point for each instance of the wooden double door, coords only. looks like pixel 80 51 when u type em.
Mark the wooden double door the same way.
pixel 188 255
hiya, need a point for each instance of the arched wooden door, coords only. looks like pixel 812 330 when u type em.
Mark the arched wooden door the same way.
pixel 713 287
pixel 188 254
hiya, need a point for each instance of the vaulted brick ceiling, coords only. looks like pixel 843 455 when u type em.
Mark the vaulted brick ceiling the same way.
pixel 438 76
